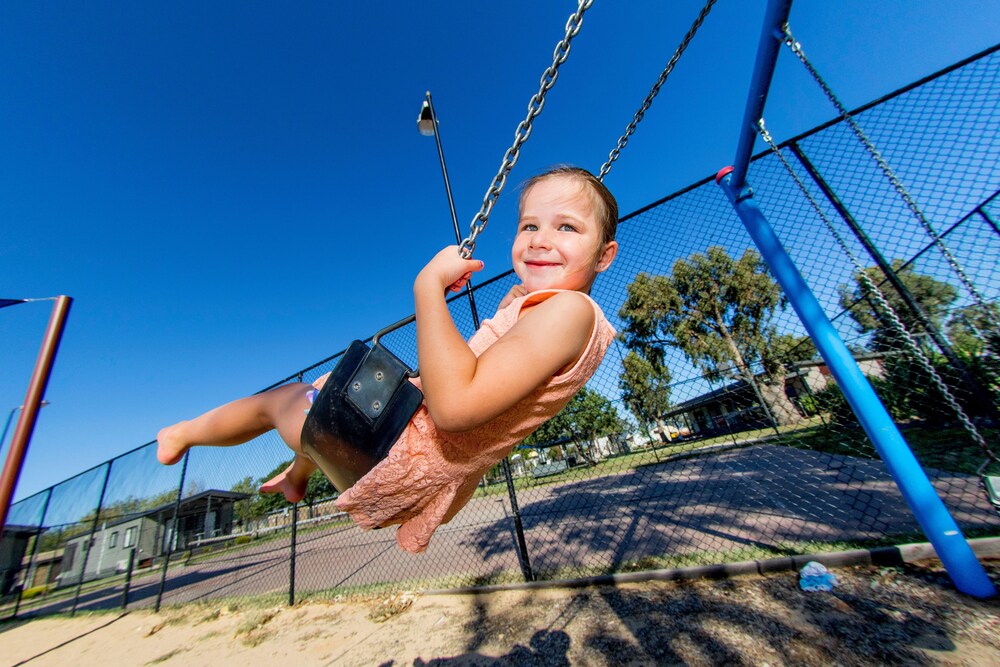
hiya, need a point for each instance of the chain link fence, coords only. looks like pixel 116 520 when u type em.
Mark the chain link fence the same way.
pixel 712 433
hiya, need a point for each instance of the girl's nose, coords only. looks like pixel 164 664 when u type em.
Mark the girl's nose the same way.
pixel 540 239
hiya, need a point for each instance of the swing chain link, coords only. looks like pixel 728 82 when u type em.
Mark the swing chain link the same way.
pixel 796 48
pixel 655 90
pixel 885 309
pixel 523 131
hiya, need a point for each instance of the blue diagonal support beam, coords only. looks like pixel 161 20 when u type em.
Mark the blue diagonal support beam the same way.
pixel 937 524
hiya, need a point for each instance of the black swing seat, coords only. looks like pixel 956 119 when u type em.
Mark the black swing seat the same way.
pixel 359 413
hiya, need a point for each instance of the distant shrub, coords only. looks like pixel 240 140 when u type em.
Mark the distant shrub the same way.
pixel 35 591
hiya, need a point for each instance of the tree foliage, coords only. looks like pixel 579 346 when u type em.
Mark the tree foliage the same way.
pixel 645 387
pixel 588 416
pixel 712 308
pixel 931 295
pixel 717 311
pixel 973 332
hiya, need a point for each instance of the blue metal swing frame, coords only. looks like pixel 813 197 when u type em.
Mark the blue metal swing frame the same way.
pixel 937 524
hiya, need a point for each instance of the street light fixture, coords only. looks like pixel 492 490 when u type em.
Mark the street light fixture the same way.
pixel 427 124
pixel 10 417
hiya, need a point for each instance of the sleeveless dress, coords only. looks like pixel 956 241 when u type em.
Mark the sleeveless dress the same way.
pixel 429 475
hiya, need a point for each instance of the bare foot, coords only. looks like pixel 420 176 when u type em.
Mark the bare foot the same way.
pixel 170 445
pixel 287 483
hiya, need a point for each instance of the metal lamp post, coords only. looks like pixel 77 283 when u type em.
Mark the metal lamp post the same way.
pixel 427 124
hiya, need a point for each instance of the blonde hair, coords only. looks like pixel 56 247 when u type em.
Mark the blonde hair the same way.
pixel 602 197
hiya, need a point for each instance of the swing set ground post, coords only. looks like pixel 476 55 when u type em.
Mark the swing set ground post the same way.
pixel 32 404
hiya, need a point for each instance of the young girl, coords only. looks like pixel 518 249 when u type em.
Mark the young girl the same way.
pixel 481 397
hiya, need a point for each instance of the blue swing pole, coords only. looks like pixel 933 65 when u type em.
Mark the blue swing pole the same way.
pixel 937 524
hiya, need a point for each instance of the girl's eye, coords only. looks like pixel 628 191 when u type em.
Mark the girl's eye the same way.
pixel 565 227
pixel 528 227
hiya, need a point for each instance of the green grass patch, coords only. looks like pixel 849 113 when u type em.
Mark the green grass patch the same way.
pixel 950 449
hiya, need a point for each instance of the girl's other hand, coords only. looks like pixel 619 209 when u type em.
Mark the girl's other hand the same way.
pixel 515 292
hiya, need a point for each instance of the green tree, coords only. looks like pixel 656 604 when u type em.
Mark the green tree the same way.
pixel 717 311
pixel 972 330
pixel 976 340
pixel 587 417
pixel 249 508
pixel 645 388
pixel 130 505
pixel 786 349
pixel 931 295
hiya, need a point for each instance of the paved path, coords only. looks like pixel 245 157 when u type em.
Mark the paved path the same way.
pixel 764 496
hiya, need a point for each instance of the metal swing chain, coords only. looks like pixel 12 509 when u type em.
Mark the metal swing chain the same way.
pixel 523 130
pixel 654 91
pixel 886 309
pixel 796 48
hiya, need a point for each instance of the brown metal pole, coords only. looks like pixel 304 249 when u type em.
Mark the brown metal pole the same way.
pixel 32 404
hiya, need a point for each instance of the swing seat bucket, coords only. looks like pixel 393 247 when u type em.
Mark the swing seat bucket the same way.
pixel 359 413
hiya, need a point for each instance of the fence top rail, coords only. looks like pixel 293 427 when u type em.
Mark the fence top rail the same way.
pixel 823 126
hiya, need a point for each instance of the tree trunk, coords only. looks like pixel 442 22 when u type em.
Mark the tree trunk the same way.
pixel 666 437
pixel 772 392
pixel 781 407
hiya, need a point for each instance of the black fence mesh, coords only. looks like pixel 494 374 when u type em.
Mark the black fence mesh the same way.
pixel 676 454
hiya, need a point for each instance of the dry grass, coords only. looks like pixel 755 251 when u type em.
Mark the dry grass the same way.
pixel 251 630
pixel 167 656
pixel 386 608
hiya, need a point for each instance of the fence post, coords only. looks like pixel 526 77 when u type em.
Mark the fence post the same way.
pixel 989 220
pixel 522 545
pixel 173 535
pixel 291 561
pixel 983 397
pixel 32 563
pixel 90 539
pixel 128 578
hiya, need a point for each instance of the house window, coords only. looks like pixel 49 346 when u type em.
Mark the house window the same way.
pixel 113 540
pixel 129 537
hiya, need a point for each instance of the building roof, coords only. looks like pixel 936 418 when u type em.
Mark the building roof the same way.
pixel 196 504
pixel 21 531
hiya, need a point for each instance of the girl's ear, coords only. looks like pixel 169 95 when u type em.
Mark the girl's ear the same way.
pixel 607 256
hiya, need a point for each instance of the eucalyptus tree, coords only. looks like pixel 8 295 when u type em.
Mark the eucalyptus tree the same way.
pixel 718 312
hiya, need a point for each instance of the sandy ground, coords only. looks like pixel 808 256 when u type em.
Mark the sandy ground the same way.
pixel 909 615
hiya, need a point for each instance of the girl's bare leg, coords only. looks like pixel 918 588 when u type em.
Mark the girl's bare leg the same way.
pixel 292 482
pixel 282 408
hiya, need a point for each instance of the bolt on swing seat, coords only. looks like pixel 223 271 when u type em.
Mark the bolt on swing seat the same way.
pixel 361 411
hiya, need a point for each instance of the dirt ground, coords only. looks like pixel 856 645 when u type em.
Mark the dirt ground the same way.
pixel 898 615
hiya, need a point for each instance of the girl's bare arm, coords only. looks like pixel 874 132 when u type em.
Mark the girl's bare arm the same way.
pixel 463 391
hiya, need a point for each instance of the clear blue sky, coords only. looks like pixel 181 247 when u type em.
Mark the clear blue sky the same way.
pixel 232 191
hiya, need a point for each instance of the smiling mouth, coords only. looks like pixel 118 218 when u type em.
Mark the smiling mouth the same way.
pixel 541 265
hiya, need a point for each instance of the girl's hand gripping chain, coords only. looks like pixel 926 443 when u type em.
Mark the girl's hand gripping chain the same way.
pixel 450 269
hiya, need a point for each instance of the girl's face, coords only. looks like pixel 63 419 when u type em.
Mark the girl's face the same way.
pixel 559 238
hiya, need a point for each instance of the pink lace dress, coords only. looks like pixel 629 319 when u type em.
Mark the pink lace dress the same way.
pixel 430 475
